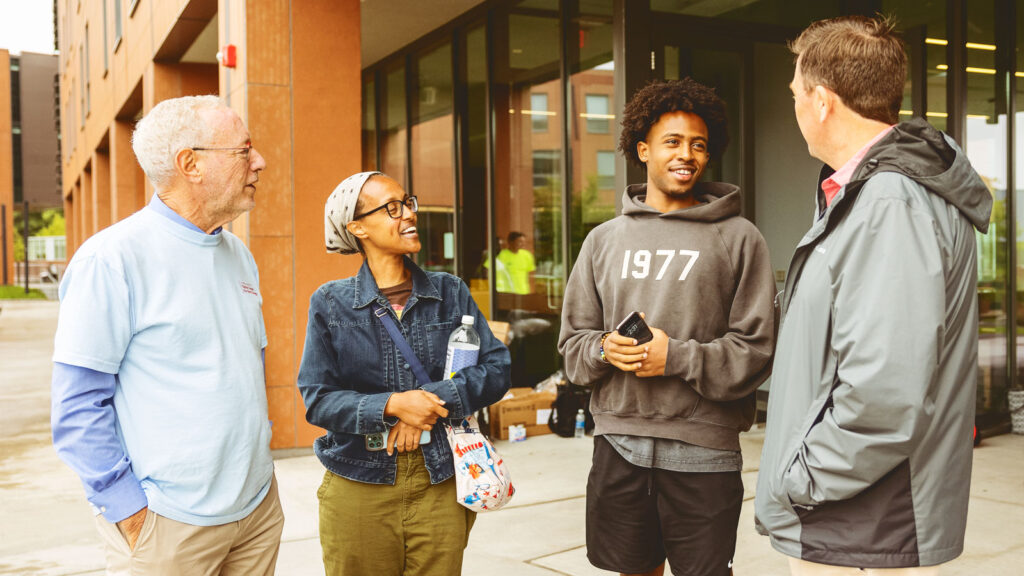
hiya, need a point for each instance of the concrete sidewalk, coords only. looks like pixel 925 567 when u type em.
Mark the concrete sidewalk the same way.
pixel 47 527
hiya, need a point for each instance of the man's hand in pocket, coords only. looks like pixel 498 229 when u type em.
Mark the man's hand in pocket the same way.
pixel 131 527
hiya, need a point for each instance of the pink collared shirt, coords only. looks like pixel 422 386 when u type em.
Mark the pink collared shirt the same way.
pixel 841 177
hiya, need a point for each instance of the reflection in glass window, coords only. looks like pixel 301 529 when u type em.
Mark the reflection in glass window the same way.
pixel 606 169
pixel 538 111
pixel 923 23
pixel 529 188
pixel 433 169
pixel 985 146
pixel 592 139
pixel 545 168
pixel 369 125
pixel 393 145
pixel 793 13
pixel 597 113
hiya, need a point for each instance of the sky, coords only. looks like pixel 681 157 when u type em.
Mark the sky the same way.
pixel 26 25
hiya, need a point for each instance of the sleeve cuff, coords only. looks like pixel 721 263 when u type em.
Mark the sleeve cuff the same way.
pixel 121 499
pixel 371 414
pixel 447 390
pixel 678 361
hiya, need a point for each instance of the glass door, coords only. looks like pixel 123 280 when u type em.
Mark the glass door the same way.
pixel 723 64
pixel 528 246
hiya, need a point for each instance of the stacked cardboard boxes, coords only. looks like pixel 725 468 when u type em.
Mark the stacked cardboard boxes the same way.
pixel 522 406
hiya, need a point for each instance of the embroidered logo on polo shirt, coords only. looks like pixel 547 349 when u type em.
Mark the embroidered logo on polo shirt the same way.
pixel 248 289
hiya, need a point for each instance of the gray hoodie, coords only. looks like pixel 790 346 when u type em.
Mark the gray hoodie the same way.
pixel 704 277
pixel 867 453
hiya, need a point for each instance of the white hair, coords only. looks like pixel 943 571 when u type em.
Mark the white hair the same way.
pixel 171 126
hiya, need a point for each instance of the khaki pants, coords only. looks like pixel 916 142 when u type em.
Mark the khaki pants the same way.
pixel 169 548
pixel 804 568
pixel 412 528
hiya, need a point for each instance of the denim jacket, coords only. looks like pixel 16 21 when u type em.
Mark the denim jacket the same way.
pixel 350 367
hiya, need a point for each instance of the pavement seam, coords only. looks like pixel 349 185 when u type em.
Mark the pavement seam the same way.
pixel 555 501
pixel 532 561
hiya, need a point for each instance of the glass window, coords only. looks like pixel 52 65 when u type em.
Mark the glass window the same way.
pixel 795 13
pixel 83 82
pixel 1018 169
pixel 606 170
pixel 106 58
pixel 923 23
pixel 538 111
pixel 369 124
pixel 985 145
pixel 597 113
pixel 529 266
pixel 592 137
pixel 87 80
pixel 433 166
pixel 393 145
pixel 117 23
pixel 474 223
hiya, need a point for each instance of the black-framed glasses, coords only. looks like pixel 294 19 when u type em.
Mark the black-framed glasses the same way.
pixel 247 149
pixel 394 208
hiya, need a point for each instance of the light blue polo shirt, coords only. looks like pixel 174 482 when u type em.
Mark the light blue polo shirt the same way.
pixel 176 315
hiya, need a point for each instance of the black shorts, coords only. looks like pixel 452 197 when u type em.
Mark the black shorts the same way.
pixel 637 517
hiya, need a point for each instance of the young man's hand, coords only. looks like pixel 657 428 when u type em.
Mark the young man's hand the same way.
pixel 657 354
pixel 417 408
pixel 405 436
pixel 624 353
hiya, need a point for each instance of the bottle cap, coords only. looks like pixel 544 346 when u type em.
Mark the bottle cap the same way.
pixel 467 319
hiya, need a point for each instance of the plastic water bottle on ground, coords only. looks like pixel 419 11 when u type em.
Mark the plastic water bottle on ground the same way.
pixel 463 347
pixel 581 423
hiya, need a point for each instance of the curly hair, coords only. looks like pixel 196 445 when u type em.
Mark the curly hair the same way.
pixel 660 97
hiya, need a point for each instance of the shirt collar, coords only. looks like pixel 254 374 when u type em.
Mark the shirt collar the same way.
pixel 367 291
pixel 158 206
pixel 842 176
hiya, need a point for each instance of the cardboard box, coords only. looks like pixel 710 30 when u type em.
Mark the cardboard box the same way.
pixel 522 406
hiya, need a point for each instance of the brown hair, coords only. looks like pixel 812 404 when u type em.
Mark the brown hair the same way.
pixel 861 59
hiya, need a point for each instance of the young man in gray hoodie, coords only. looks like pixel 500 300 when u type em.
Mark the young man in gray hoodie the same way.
pixel 665 481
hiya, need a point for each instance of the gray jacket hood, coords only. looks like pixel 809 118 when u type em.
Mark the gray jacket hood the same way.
pixel 933 160
pixel 719 201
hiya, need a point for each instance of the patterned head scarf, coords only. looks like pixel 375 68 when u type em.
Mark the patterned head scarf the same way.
pixel 338 212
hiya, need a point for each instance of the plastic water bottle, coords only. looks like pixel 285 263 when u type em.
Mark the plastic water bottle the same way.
pixel 581 424
pixel 463 347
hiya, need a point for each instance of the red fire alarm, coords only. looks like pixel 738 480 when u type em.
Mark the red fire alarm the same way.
pixel 227 56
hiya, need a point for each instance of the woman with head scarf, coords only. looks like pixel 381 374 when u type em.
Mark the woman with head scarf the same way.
pixel 391 511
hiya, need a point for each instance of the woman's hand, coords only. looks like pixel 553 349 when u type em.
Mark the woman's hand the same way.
pixel 403 438
pixel 417 408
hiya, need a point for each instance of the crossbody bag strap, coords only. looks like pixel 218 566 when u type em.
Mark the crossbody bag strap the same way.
pixel 396 336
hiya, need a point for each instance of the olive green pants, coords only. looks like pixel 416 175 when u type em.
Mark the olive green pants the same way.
pixel 413 528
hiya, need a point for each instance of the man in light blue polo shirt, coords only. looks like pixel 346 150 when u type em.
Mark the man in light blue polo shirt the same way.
pixel 159 400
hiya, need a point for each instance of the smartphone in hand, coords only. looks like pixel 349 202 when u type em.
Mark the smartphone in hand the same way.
pixel 378 440
pixel 633 326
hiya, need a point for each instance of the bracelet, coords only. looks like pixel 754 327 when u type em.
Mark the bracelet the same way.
pixel 603 337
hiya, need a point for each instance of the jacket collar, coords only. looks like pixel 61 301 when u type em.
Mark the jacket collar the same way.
pixel 367 291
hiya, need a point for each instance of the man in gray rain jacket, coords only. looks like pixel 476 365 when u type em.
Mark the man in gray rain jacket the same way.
pixel 867 454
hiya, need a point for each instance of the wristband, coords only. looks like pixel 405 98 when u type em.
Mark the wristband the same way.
pixel 603 337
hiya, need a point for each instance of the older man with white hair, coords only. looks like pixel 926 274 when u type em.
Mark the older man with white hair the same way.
pixel 159 402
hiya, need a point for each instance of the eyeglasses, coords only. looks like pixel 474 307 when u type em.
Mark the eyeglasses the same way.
pixel 395 208
pixel 247 149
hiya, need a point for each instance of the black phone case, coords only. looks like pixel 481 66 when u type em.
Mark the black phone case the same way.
pixel 634 327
